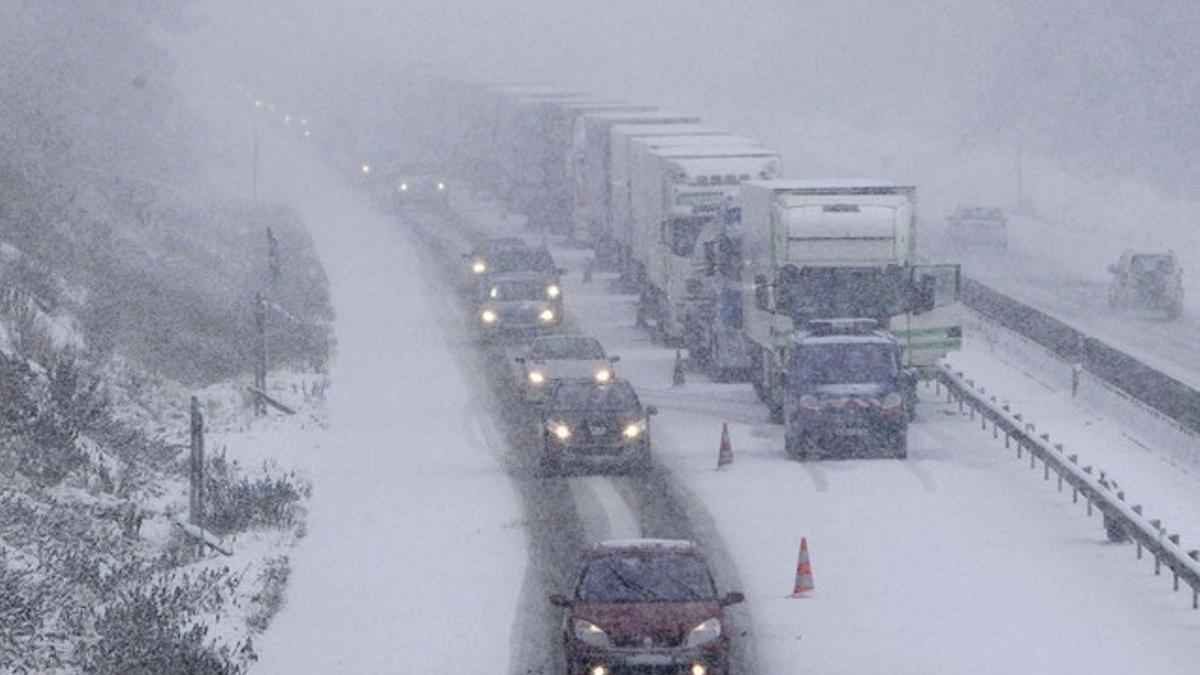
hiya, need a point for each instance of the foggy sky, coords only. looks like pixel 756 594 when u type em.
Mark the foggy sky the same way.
pixel 1107 85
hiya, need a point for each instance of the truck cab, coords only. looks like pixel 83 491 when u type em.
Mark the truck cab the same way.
pixel 846 392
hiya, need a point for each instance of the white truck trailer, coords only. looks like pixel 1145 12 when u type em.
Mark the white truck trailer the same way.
pixel 590 163
pixel 832 249
pixel 623 146
pixel 676 194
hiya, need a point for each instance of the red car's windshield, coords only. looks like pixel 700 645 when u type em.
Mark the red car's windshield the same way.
pixel 638 577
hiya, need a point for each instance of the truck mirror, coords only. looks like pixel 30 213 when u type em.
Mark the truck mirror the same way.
pixel 614 358
pixel 926 294
pixel 733 598
pixel 560 600
pixel 651 410
pixel 760 291
pixel 520 359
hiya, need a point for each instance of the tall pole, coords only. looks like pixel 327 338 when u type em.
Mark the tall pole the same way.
pixel 1020 186
pixel 254 170
pixel 274 268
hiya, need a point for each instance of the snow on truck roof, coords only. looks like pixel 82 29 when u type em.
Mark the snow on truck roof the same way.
pixel 677 129
pixel 644 117
pixel 702 151
pixel 673 544
pixel 752 165
pixel 868 185
pixel 664 141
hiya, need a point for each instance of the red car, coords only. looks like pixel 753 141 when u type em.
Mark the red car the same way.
pixel 646 605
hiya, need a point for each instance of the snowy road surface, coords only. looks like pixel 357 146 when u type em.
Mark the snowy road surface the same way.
pixel 415 555
pixel 956 560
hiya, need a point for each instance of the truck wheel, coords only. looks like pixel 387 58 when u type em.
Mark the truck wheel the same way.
pixel 796 446
pixel 549 462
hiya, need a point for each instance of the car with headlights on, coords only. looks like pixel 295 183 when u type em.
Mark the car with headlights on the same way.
pixel 646 605
pixel 555 358
pixel 592 425
pixel 519 303
pixel 421 190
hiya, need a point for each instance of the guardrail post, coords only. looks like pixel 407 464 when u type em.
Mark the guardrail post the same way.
pixel 1060 481
pixel 1137 508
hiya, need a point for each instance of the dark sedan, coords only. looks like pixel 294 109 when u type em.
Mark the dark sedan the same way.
pixel 588 424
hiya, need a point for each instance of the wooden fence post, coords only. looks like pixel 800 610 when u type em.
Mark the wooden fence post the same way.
pixel 196 495
pixel 260 355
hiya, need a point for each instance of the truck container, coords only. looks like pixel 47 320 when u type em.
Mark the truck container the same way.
pixel 621 206
pixel 675 195
pixel 590 163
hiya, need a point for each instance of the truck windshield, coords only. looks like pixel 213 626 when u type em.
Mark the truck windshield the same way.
pixel 844 363
pixel 831 292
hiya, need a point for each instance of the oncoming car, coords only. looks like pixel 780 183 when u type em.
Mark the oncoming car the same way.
pixel 519 303
pixel 646 605
pixel 978 226
pixel 587 424
pixel 554 358
pixel 421 191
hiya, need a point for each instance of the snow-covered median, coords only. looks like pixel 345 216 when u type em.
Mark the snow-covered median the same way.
pixel 415 554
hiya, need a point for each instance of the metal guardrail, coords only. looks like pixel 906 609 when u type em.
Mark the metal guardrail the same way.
pixel 1122 521
pixel 1156 389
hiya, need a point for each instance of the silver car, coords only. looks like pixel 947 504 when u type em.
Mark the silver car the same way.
pixel 555 358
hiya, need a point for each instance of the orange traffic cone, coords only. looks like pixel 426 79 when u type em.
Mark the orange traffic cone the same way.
pixel 804 575
pixel 726 454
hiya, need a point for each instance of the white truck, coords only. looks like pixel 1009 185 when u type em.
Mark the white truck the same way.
pixel 624 143
pixel 676 194
pixel 832 249
pixel 590 162
pixel 553 209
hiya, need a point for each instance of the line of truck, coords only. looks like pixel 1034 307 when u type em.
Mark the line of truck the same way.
pixel 728 258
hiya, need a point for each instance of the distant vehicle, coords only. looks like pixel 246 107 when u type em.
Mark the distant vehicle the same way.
pixel 483 250
pixel 519 302
pixel 845 386
pixel 421 190
pixel 589 425
pixel 646 605
pixel 1150 281
pixel 978 226
pixel 557 358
